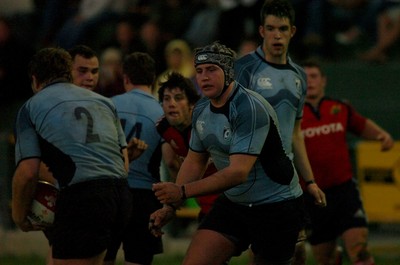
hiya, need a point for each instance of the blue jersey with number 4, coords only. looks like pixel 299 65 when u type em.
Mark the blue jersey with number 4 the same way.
pixel 139 112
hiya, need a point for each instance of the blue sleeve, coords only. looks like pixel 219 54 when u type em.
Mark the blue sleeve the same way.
pixel 27 143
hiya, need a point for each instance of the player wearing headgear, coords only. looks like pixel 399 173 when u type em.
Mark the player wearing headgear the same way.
pixel 261 204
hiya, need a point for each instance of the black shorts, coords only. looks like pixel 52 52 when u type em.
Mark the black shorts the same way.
pixel 270 229
pixel 88 217
pixel 344 210
pixel 139 244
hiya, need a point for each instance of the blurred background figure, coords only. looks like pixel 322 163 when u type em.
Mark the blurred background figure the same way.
pixel 126 36
pixel 388 32
pixel 201 30
pixel 179 58
pixel 14 58
pixel 52 16
pixel 172 16
pixel 247 45
pixel 110 76
pixel 88 16
pixel 150 36
pixel 238 18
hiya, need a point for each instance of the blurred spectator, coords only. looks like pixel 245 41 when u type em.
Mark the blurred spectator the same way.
pixel 388 32
pixel 14 59
pixel 89 15
pixel 179 58
pixel 247 45
pixel 10 8
pixel 53 15
pixel 238 19
pixel 110 77
pixel 202 30
pixel 150 35
pixel 312 39
pixel 362 17
pixel 172 16
pixel 127 38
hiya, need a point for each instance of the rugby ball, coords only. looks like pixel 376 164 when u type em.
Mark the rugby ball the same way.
pixel 44 204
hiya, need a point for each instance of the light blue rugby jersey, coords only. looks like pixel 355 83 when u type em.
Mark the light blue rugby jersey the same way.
pixel 246 124
pixel 139 113
pixel 75 131
pixel 283 86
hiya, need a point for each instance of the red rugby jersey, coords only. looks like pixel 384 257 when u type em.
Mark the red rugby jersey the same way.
pixel 324 131
pixel 179 141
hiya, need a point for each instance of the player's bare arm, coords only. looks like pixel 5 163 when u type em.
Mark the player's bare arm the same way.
pixel 233 175
pixel 374 132
pixel 171 159
pixel 23 189
pixel 303 167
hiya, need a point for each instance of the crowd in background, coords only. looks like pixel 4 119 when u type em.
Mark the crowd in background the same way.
pixel 169 29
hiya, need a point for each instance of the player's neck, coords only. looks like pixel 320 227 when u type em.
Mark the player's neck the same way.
pixel 223 98
pixel 314 101
pixel 275 59
pixel 144 88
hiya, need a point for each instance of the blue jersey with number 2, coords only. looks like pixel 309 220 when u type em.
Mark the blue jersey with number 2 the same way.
pixel 74 131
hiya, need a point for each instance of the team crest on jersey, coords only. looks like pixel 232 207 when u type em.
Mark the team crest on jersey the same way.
pixel 227 133
pixel 298 83
pixel 264 82
pixel 335 109
pixel 200 126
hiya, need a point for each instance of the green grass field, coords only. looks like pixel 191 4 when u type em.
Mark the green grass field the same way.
pixel 384 244
pixel 389 256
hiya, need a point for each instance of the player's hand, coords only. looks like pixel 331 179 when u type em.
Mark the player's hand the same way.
pixel 386 141
pixel 136 147
pixel 318 194
pixel 26 226
pixel 167 192
pixel 160 218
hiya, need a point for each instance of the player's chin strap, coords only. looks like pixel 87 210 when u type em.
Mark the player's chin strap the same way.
pixel 225 88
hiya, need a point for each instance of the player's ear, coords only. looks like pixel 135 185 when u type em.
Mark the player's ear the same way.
pixel 261 31
pixel 293 31
pixel 34 84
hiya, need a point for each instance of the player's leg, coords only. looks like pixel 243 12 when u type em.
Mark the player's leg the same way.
pixel 355 242
pixel 84 221
pixel 49 257
pixel 299 257
pixel 325 253
pixel 139 245
pixel 275 234
pixel 96 260
pixel 209 248
pixel 355 227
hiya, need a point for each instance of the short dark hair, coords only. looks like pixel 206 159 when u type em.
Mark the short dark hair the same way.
pixel 50 64
pixel 82 50
pixel 313 63
pixel 140 68
pixel 174 80
pixel 278 8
